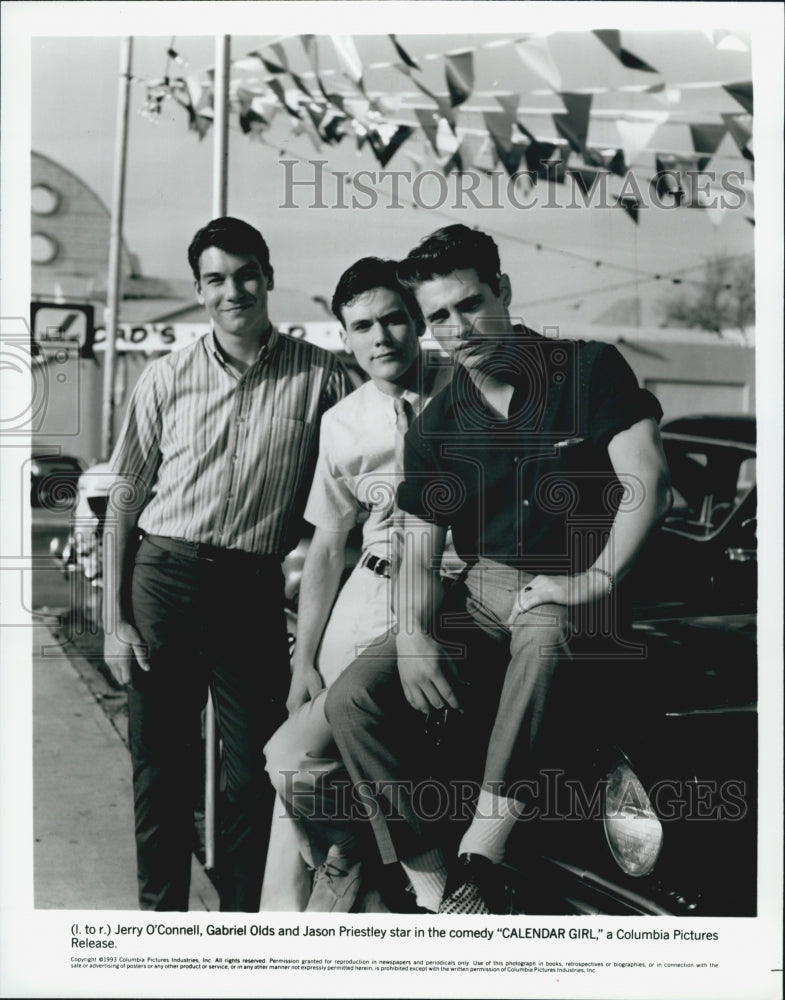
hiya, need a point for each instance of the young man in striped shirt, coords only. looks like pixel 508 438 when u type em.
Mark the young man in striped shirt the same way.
pixel 214 462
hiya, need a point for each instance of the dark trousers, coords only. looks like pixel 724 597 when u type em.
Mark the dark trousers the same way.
pixel 506 673
pixel 218 625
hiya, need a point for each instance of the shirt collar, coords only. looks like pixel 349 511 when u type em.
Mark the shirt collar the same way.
pixel 211 344
pixel 463 390
pixel 412 396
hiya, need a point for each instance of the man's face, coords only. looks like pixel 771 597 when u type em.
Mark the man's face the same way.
pixel 233 290
pixel 381 334
pixel 465 315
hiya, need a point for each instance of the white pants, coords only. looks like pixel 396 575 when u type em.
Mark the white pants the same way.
pixel 304 743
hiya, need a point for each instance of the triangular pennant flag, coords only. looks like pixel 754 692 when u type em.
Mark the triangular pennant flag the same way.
pixel 277 89
pixel 403 53
pixel 630 204
pixel 537 154
pixel 574 125
pixel 499 125
pixel 316 114
pixel 252 122
pixel 510 157
pixel 268 64
pixel 612 160
pixel 429 125
pixel 635 135
pixel 453 162
pixel 243 99
pixel 611 39
pixel 509 103
pixel 384 152
pixel 311 46
pixel 742 92
pixel 349 57
pixel 668 178
pixel 529 135
pixel 585 178
pixel 546 160
pixel 535 53
pixel 617 164
pixel 445 110
pixel 459 70
pixel 281 55
pixel 333 127
pixel 740 132
pixel 300 84
pixel 706 138
pixel 469 150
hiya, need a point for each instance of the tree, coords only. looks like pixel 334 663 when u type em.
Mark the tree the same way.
pixel 725 298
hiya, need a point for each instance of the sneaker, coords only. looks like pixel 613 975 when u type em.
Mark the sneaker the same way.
pixel 336 884
pixel 475 885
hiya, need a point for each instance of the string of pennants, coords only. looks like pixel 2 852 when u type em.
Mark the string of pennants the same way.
pixel 494 135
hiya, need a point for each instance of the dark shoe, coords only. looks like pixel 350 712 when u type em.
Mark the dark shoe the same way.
pixel 475 885
pixel 335 887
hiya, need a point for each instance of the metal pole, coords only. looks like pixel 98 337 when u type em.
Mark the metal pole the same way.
pixel 113 289
pixel 220 189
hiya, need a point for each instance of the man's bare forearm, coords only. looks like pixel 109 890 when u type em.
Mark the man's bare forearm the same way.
pixel 120 527
pixel 419 583
pixel 321 579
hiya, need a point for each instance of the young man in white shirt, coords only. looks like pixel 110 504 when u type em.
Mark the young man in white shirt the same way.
pixel 357 473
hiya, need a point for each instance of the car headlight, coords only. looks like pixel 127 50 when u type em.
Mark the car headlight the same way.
pixel 632 829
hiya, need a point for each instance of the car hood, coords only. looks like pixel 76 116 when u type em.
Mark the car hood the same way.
pixel 703 663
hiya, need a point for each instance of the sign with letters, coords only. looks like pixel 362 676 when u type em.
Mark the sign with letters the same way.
pixel 56 324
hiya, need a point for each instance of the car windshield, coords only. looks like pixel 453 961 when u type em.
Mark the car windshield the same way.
pixel 709 479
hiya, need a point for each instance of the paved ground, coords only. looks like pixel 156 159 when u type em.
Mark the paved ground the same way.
pixel 83 818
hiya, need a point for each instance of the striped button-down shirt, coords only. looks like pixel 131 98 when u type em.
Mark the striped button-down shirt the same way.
pixel 225 459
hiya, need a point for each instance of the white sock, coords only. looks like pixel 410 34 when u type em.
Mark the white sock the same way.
pixel 428 874
pixel 494 818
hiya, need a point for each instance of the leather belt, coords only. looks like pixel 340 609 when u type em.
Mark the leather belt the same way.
pixel 209 553
pixel 381 567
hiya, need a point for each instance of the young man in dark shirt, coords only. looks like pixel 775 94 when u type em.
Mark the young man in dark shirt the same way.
pixel 544 458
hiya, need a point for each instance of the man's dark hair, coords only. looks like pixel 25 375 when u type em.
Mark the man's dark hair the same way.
pixel 233 236
pixel 365 275
pixel 453 248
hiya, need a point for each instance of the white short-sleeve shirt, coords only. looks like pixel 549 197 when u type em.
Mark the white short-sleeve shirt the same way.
pixel 355 477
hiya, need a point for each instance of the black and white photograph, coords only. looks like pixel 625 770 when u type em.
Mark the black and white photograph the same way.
pixel 381 553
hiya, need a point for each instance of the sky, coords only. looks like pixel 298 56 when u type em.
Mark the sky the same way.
pixel 169 174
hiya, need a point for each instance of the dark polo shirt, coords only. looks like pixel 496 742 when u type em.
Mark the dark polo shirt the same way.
pixel 536 490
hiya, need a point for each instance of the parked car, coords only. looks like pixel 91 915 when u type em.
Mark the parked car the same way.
pixel 652 771
pixel 53 480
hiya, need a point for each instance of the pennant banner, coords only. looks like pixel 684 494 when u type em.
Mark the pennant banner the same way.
pixel 574 125
pixel 349 57
pixel 740 128
pixel 384 151
pixel 706 138
pixel 429 125
pixel 459 70
pixel 536 54
pixel 407 59
pixel 612 40
pixel 742 92
pixel 635 135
